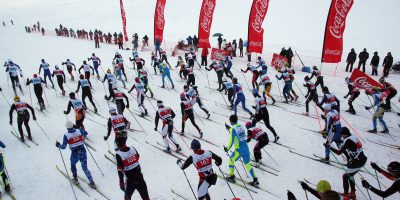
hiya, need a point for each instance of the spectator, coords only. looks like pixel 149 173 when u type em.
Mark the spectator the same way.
pixel 145 40
pixel 12 23
pixel 190 41
pixel 363 57
pixel 100 36
pixel 109 37
pixel 234 47
pixel 204 54
pixel 219 42
pixel 375 63
pixel 120 41
pixel 283 52
pixel 248 55
pixel 115 38
pixel 224 44
pixel 195 42
pixel 135 41
pixel 91 35
pixel 42 31
pixel 387 64
pixel 351 58
pixel 157 46
pixel 96 40
pixel 240 47
pixel 289 55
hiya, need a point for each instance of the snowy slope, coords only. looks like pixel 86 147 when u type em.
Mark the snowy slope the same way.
pixel 33 170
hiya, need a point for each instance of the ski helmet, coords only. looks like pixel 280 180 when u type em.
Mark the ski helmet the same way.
pixel 259 57
pixel 34 75
pixel 248 124
pixel 137 80
pixel 344 131
pixel 93 54
pixel 84 62
pixel 325 89
pixel 323 186
pixel 234 80
pixel 72 95
pixel 56 66
pixel 224 80
pixel 160 103
pixel 394 167
pixel 195 145
pixel 81 76
pixel 315 67
pixel 9 61
pixel 16 98
pixel 233 119
pixel 185 87
pixel 67 59
pixel 69 124
pixel 42 60
pixel 347 80
pixel 112 110
pixel 327 106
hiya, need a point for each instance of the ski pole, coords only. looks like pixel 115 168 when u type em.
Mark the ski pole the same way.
pixel 226 181
pixel 44 91
pixel 224 99
pixel 305 192
pixel 208 80
pixel 136 119
pixel 279 88
pixel 8 82
pixel 298 87
pixel 246 81
pixel 30 94
pixel 379 184
pixel 271 157
pixel 42 130
pixel 189 184
pixel 69 179
pixel 93 158
pixel 8 175
pixel 95 121
pixel 5 98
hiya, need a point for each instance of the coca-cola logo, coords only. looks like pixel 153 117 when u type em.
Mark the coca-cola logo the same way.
pixel 279 62
pixel 333 52
pixel 255 44
pixel 261 7
pixel 208 9
pixel 342 8
pixel 160 16
pixel 362 82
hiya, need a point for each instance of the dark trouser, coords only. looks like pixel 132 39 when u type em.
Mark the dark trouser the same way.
pixel 69 69
pixel 39 92
pixel 264 115
pixel 189 115
pixel 390 96
pixel 185 73
pixel 60 82
pixel 349 178
pixel 79 123
pixel 204 60
pixel 191 80
pixel 254 80
pixel 120 45
pixel 123 72
pixel 374 70
pixel 363 65
pixel 136 182
pixel 96 44
pixel 87 94
pixel 220 74
pixel 234 53
pixel 120 106
pixel 241 52
pixel 230 95
pixel 386 71
pixel 249 58
pixel 312 97
pixel 111 91
pixel 349 64
pixel 228 73
pixel 15 82
pixel 352 98
pixel 261 143
pixel 25 120
pixel 320 81
pixel 87 75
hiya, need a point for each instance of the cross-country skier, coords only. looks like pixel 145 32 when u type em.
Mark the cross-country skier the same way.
pixel 320 79
pixel 260 136
pixel 192 93
pixel 163 57
pixel 13 71
pixel 118 72
pixel 288 84
pixel 69 65
pixel 329 98
pixel 140 95
pixel 164 69
pixel 228 87
pixel 392 173
pixel 142 74
pixel 167 115
pixel 118 97
pixel 22 116
pixel 187 113
pixel 332 130
pixel 261 113
pixel 60 76
pixel 312 94
pixel 75 138
pixel 86 68
pixel 354 92
pixel 129 171
pixel 119 124
pixel 3 173
pixel 191 79
pixel 138 62
pixel 353 151
pixel 86 91
pixel 379 108
pixel 202 160
pixel 266 82
pixel 46 69
pixel 37 88
pixel 228 66
pixel 79 109
pixel 120 61
pixel 291 73
pixel 96 64
pixel 111 81
pixel 181 64
pixel 323 191
pixel 256 73
pixel 390 90
pixel 155 62
pixel 261 63
pixel 238 97
pixel 238 138
pixel 219 70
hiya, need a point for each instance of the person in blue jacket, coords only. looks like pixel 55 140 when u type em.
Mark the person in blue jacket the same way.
pixel 261 63
pixel 165 73
pixel 333 127
pixel 239 97
pixel 288 84
pixel 46 70
pixel 380 109
pixel 3 170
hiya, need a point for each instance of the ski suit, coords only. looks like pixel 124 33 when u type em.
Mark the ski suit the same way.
pixel 47 74
pixel 239 97
pixel 333 128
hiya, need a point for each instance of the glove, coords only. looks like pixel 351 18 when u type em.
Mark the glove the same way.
pixel 127 106
pixel 155 128
pixel 303 185
pixel 218 163
pixel 105 137
pixel 226 149
pixel 76 91
pixel 326 144
pixel 178 161
pixel 367 108
pixel 122 186
pixel 65 112
pixel 58 144
pixel 276 76
pixel 290 195
pixel 365 184
pixel 345 96
pixel 34 118
pixel 227 126
pixel 375 166
pixel 10 122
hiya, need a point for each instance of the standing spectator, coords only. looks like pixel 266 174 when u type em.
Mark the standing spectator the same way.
pixel 38 24
pixel 240 47
pixel 363 57
pixel 135 41
pixel 105 37
pixel 4 24
pixel 120 41
pixel 204 54
pixel 375 63
pixel 42 31
pixel 115 38
pixel 195 43
pixel 234 47
pixel 387 64
pixel 100 36
pixel 96 40
pixel 91 35
pixel 157 46
pixel 283 52
pixel 219 42
pixel 34 26
pixel 12 22
pixel 190 41
pixel 289 55
pixel 351 58
pixel 145 40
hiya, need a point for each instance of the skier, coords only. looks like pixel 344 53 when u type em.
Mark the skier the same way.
pixel 164 69
pixel 22 116
pixel 138 62
pixel 3 173
pixel 86 91
pixel 47 74
pixel 332 131
pixel 363 57
pixel 329 99
pixel 193 94
pixel 260 136
pixel 167 116
pixel 219 70
pixel 238 138
pixel 390 90
pixel 38 89
pixel 118 72
pixel 187 113
pixel 140 95
pixel 60 78
pixel 191 79
pixel 291 73
pixel 143 77
pixel 255 72
pixel 111 81
pixel 266 82
pixel 202 160
pixel 86 68
pixel 261 113
pixel 120 61
pixel 155 62
pixel 354 92
pixel 13 70
pixel 320 79
pixel 392 173
pixel 69 65
pixel 228 87
pixel 264 67
pixel 79 109
pixel 311 93
pixel 228 66
pixel 288 84
pixel 323 191
pixel 96 64
pixel 118 97
pixel 181 64
pixel 163 57
pixel 387 64
pixel 119 124
pixel 129 171
pixel 380 109
pixel 238 97
pixel 356 159
pixel 75 138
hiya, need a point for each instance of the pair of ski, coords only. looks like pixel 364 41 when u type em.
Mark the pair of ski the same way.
pixel 9 193
pixel 24 142
pixel 171 153
pixel 384 144
pixel 197 137
pixel 267 166
pixel 80 187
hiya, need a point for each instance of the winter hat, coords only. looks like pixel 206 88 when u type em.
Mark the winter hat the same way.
pixel 69 124
pixel 233 119
pixel 330 195
pixel 345 131
pixel 394 167
pixel 195 145
pixel 323 186
pixel 159 103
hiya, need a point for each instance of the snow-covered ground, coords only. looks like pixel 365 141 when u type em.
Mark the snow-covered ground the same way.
pixel 32 170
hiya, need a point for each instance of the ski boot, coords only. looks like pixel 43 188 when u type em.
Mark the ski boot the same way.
pixel 273 101
pixel 95 110
pixel 325 160
pixel 22 139
pixel 145 112
pixel 141 115
pixel 305 114
pixel 7 188
pixel 257 163
pixel 351 195
pixel 201 134
pixel 92 184
pixel 384 131
pixel 353 112
pixel 30 137
pixel 168 150
pixel 173 86
pixel 231 179
pixel 75 180
pixel 163 86
pixel 208 115
pixel 178 148
pixel 276 139
pixel 255 182
pixel 296 97
pixel 63 92
pixel 373 131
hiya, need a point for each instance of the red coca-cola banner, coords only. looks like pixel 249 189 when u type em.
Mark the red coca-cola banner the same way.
pixel 218 54
pixel 334 29
pixel 363 81
pixel 159 20
pixel 255 31
pixel 121 4
pixel 278 61
pixel 205 22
